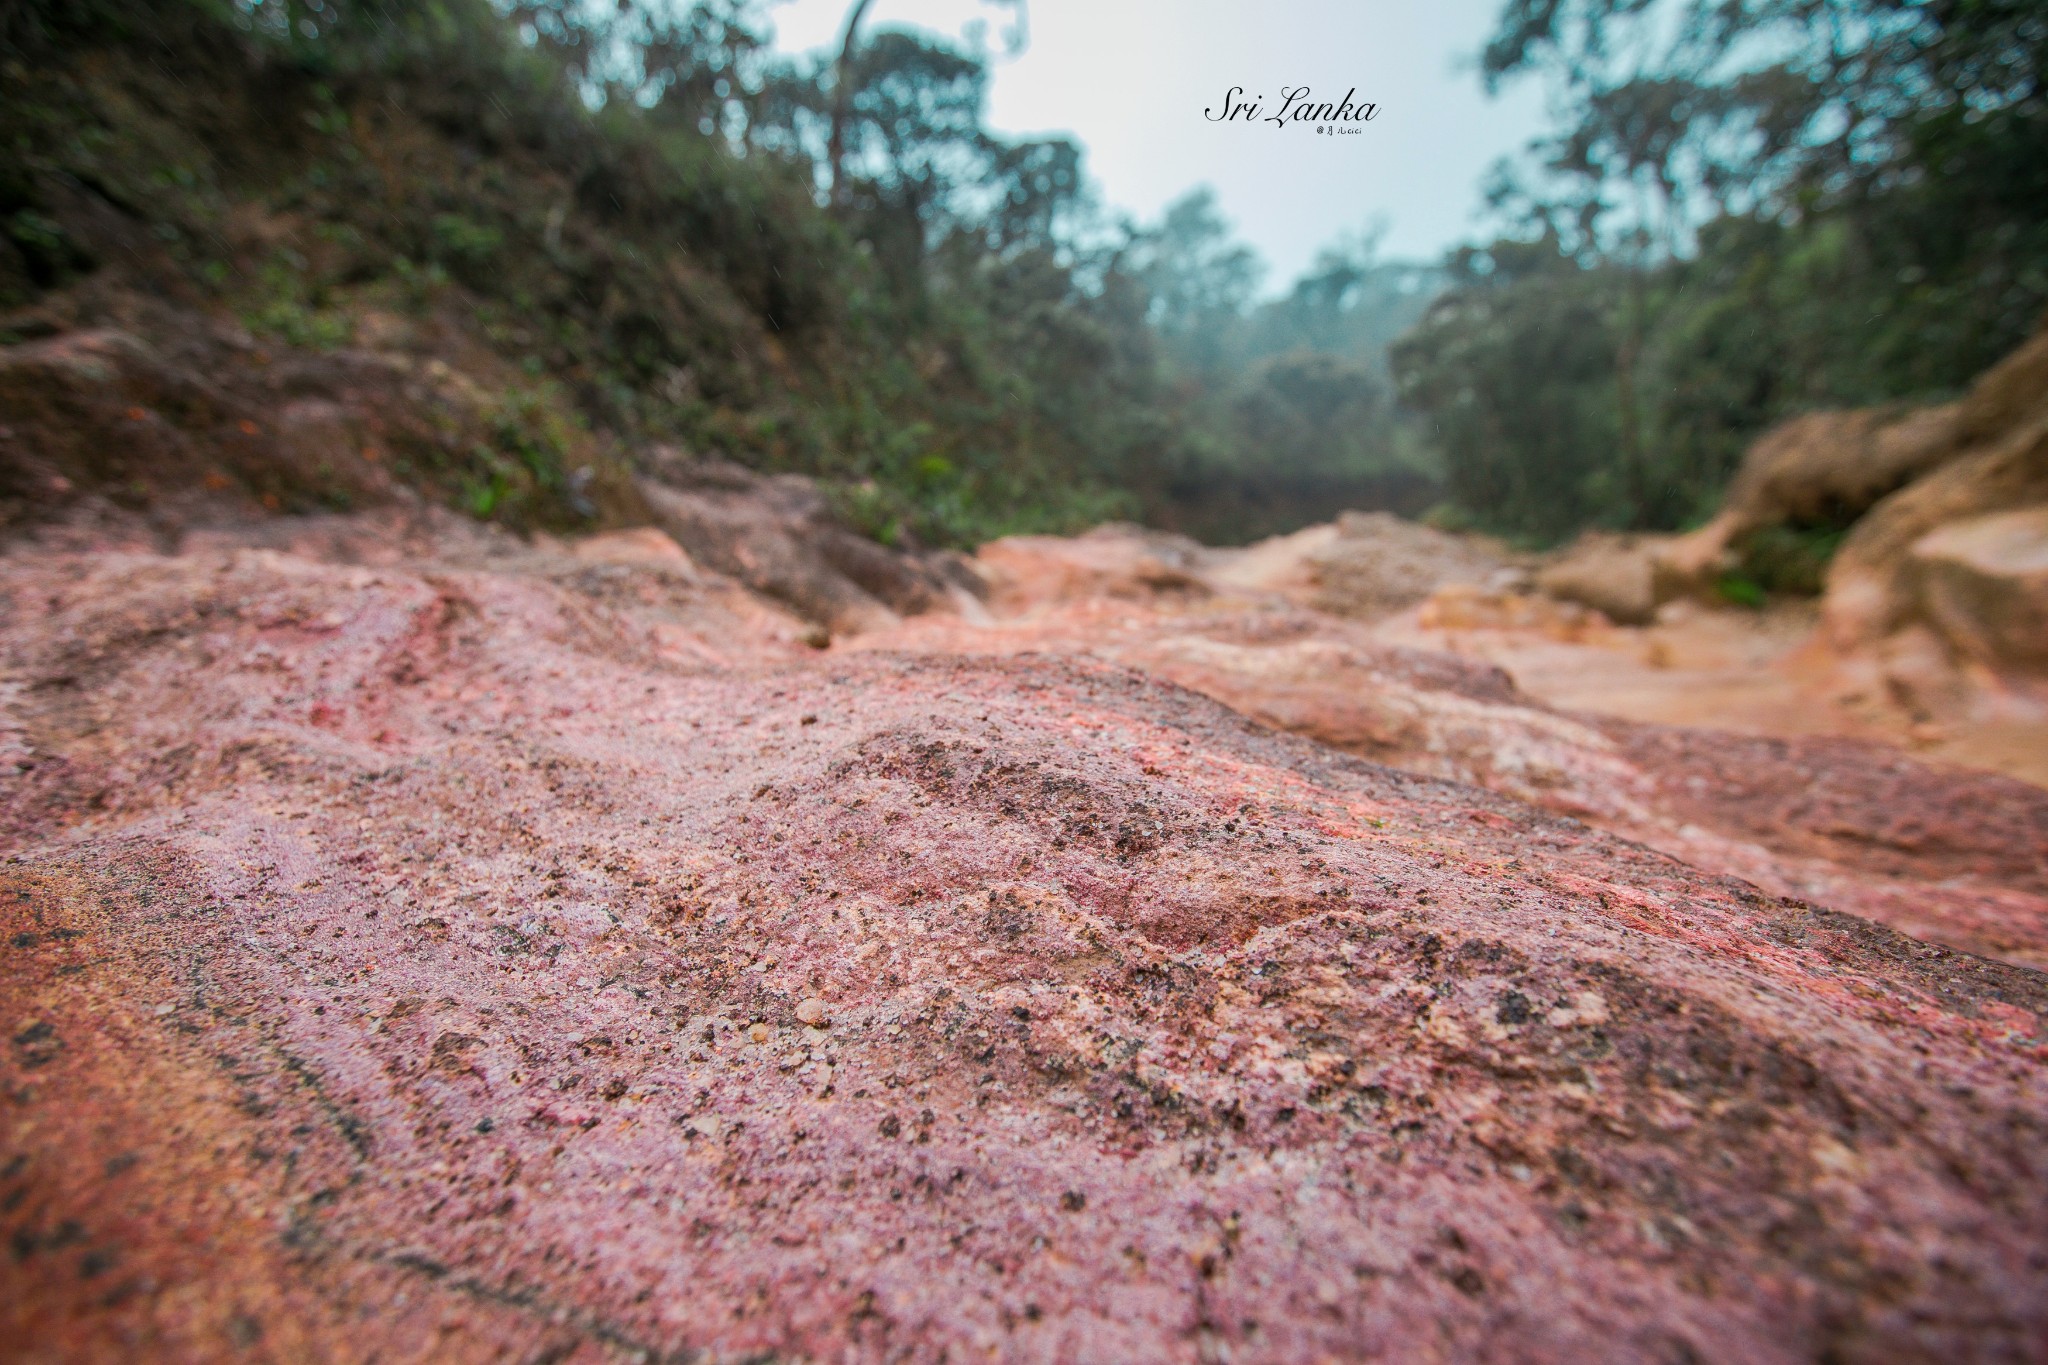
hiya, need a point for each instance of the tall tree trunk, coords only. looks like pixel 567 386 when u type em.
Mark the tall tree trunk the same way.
pixel 842 97
pixel 1634 460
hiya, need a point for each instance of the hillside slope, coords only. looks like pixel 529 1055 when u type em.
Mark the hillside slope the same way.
pixel 412 218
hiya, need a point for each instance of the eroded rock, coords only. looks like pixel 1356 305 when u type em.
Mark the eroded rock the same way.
pixel 1364 565
pixel 398 957
pixel 1984 584
pixel 1873 583
pixel 1613 574
pixel 779 537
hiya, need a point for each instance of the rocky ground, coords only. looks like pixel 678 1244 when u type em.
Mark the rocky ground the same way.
pixel 427 944
pixel 1771 781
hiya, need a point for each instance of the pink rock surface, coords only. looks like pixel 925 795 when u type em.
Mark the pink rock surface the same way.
pixel 1950 855
pixel 384 943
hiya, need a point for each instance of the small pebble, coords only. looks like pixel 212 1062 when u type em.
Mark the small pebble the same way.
pixel 759 1033
pixel 811 1010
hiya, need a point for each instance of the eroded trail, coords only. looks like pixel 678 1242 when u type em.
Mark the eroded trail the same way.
pixel 403 959
pixel 1783 799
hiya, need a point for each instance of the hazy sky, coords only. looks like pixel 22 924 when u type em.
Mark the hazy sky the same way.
pixel 1131 79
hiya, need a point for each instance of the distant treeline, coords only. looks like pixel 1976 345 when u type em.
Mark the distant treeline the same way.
pixel 832 265
pixel 1753 208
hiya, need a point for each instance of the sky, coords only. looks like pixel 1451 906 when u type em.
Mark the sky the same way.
pixel 1131 80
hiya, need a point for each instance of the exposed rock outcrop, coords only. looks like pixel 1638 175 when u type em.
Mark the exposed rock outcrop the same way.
pixel 1875 583
pixel 1983 584
pixel 412 959
pixel 1909 572
pixel 778 536
pixel 1363 565
pixel 199 425
pixel 1613 574
pixel 1909 480
pixel 1110 563
pixel 1961 858
pixel 1823 468
pixel 427 942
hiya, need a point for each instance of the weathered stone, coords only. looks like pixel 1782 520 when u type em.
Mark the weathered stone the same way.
pixel 470 863
pixel 1112 562
pixel 1984 584
pixel 1610 573
pixel 1157 1034
pixel 1872 583
pixel 1903 471
pixel 1371 564
pixel 778 536
pixel 1821 468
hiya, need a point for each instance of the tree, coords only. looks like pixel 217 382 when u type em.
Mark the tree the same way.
pixel 1769 205
pixel 1200 279
pixel 1512 368
pixel 1920 124
pixel 846 81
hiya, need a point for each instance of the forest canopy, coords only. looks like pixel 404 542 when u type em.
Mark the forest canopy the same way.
pixel 831 263
pixel 1751 208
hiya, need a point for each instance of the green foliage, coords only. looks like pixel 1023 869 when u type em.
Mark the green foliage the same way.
pixel 1789 560
pixel 1740 590
pixel 656 268
pixel 1752 208
pixel 284 306
pixel 1199 280
pixel 467 249
pixel 627 221
pixel 872 510
pixel 1513 367
pixel 35 254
